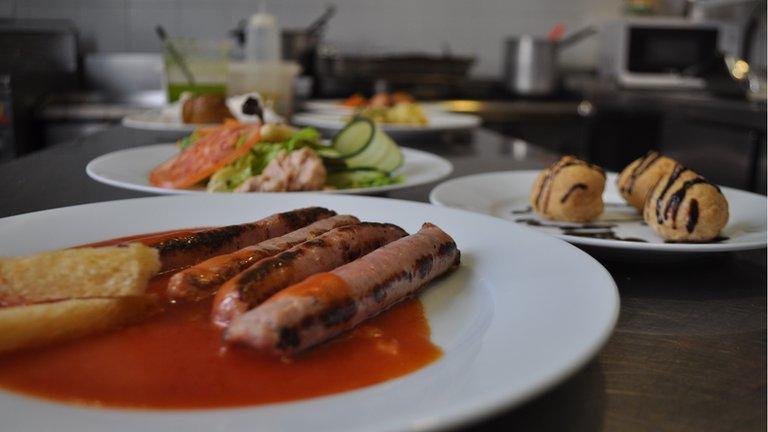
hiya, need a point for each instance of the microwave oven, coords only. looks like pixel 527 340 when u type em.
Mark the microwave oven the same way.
pixel 660 52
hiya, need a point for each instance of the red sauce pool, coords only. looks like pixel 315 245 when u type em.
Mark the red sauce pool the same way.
pixel 175 359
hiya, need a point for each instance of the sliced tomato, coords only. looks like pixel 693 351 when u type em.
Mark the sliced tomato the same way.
pixel 206 156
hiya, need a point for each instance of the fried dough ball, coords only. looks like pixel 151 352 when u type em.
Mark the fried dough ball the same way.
pixel 569 190
pixel 641 175
pixel 684 207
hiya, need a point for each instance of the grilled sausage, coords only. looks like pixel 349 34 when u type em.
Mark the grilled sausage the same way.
pixel 202 279
pixel 327 304
pixel 326 252
pixel 190 248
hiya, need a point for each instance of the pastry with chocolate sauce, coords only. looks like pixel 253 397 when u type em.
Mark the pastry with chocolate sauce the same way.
pixel 569 190
pixel 641 175
pixel 685 207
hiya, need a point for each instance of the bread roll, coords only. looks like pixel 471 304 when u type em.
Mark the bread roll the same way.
pixel 205 109
pixel 569 190
pixel 641 175
pixel 685 207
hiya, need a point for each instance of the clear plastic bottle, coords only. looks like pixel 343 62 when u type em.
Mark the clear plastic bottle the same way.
pixel 262 37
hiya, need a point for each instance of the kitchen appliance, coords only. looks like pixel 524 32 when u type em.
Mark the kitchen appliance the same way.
pixel 530 66
pixel 37 57
pixel 661 52
pixel 425 76
pixel 531 63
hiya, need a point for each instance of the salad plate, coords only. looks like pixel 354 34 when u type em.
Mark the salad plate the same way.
pixel 438 122
pixel 522 312
pixel 129 169
pixel 506 195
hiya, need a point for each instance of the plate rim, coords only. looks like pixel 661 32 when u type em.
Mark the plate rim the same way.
pixel 446 169
pixel 455 414
pixel 472 122
pixel 335 104
pixel 130 121
pixel 614 244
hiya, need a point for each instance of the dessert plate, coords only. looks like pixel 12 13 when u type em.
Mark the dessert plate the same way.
pixel 129 169
pixel 506 195
pixel 523 311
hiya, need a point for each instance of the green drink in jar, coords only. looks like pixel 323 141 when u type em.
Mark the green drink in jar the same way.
pixel 194 65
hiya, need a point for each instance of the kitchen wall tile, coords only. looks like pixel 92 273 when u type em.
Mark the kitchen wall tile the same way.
pixel 8 8
pixel 204 18
pixel 360 26
pixel 103 25
pixel 51 9
pixel 144 16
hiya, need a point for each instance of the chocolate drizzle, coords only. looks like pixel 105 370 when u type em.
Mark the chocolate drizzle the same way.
pixel 555 169
pixel 534 222
pixel 606 235
pixel 679 170
pixel 646 162
pixel 675 200
pixel 573 188
pixel 693 215
pixel 526 210
pixel 673 205
pixel 593 230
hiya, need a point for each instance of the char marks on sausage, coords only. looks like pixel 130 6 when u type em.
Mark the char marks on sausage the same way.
pixel 326 304
pixel 323 253
pixel 202 279
pixel 191 248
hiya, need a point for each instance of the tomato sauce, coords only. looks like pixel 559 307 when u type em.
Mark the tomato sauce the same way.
pixel 176 359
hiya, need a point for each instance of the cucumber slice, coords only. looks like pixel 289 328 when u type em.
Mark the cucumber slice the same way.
pixel 327 152
pixel 363 144
pixel 358 177
pixel 354 138
pixel 381 154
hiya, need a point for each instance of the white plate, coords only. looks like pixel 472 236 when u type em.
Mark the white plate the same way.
pixel 129 168
pixel 438 122
pixel 335 105
pixel 523 312
pixel 161 119
pixel 505 194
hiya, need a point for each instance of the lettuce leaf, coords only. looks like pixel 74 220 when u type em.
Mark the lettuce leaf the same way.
pixel 187 141
pixel 353 179
pixel 253 163
pixel 231 176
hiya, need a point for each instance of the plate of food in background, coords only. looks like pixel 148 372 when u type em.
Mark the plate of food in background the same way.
pixel 359 101
pixel 397 113
pixel 195 111
pixel 246 157
pixel 219 313
pixel 655 207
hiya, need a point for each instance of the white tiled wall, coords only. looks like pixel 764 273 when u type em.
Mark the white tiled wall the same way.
pixel 475 27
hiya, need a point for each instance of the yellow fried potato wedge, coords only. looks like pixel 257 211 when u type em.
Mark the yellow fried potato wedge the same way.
pixel 81 272
pixel 44 323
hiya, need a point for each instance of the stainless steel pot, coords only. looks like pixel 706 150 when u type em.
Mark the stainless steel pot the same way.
pixel 530 63
pixel 530 66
